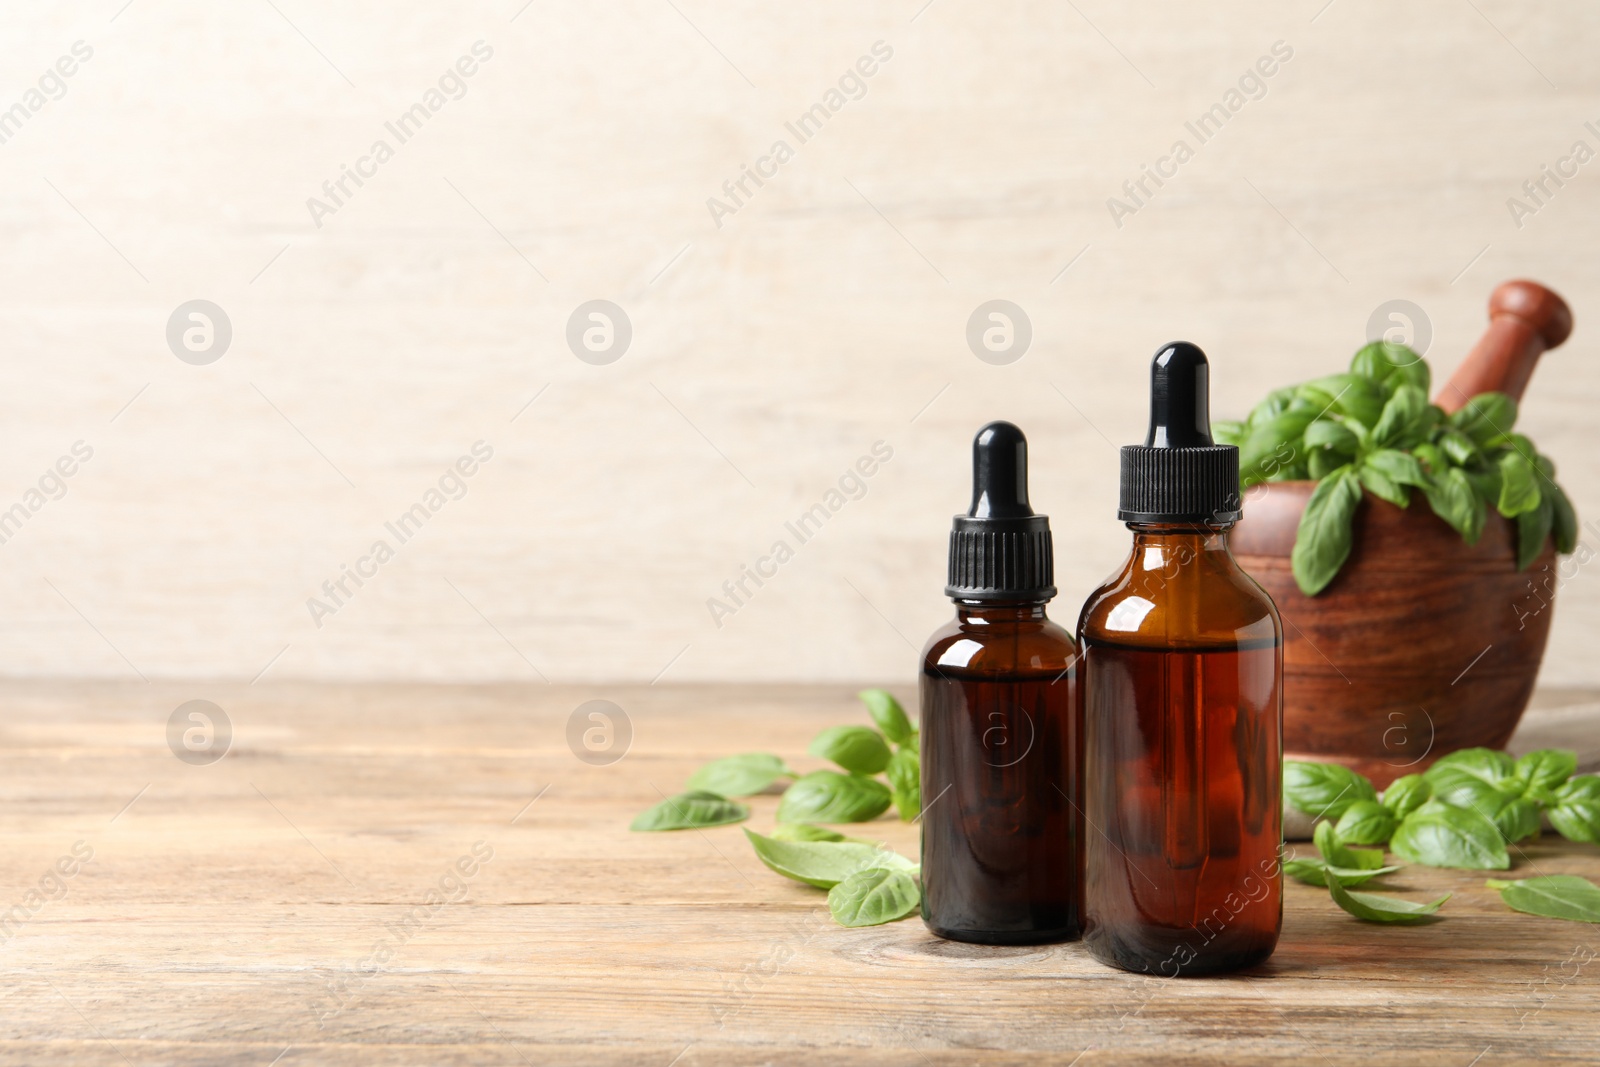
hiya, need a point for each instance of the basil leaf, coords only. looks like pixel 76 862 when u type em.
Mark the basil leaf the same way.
pixel 1519 485
pixel 1324 790
pixel 1576 811
pixel 858 749
pixel 804 831
pixel 1433 461
pixel 888 714
pixel 1469 765
pixel 1485 417
pixel 1267 441
pixel 1453 499
pixel 1556 896
pixel 690 811
pixel 1276 401
pixel 905 783
pixel 1358 397
pixel 1403 409
pixel 1437 835
pixel 1406 795
pixel 1533 529
pixel 828 796
pixel 1459 447
pixel 1381 909
pixel 1366 822
pixel 1322 542
pixel 1563 519
pixel 1335 854
pixel 1228 432
pixel 823 864
pixel 1548 767
pixel 1383 487
pixel 1400 467
pixel 1326 433
pixel 1384 360
pixel 1316 872
pixel 739 776
pixel 874 897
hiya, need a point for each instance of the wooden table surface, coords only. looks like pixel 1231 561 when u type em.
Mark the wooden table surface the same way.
pixel 301 901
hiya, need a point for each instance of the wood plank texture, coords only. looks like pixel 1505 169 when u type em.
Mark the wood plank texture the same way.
pixel 278 900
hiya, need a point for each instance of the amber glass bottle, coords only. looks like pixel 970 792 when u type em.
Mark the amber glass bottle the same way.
pixel 1002 750
pixel 1182 669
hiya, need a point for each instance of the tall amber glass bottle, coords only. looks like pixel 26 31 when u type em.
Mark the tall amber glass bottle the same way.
pixel 1002 751
pixel 1182 674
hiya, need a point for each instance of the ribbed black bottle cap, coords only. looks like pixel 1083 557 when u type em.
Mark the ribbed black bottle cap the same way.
pixel 1179 475
pixel 1000 550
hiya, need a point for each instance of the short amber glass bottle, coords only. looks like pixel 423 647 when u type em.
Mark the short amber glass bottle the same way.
pixel 1002 827
pixel 1182 674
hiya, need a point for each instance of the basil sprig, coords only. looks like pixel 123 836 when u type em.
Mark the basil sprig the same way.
pixel 1372 430
pixel 1462 812
pixel 879 766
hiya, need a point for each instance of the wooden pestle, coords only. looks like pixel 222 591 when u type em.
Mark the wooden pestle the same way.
pixel 1525 318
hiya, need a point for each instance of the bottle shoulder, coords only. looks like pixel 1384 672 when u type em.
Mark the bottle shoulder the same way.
pixel 1206 602
pixel 1019 649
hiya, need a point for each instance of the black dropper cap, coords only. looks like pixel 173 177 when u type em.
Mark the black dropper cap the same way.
pixel 1179 475
pixel 1000 550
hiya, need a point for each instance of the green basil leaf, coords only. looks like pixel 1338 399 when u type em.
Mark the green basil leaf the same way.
pixel 1402 410
pixel 1470 764
pixel 739 776
pixel 1271 444
pixel 1460 448
pixel 1276 401
pixel 1453 499
pixel 858 749
pixel 1383 487
pixel 1335 854
pixel 888 714
pixel 1322 542
pixel 823 864
pixel 1433 461
pixel 1366 822
pixel 1555 896
pixel 1437 835
pixel 1519 485
pixel 1381 909
pixel 1387 361
pixel 1485 417
pixel 1549 767
pixel 1399 467
pixel 1563 519
pixel 874 897
pixel 1354 395
pixel 1533 530
pixel 1228 432
pixel 1405 795
pixel 804 831
pixel 690 811
pixel 1326 433
pixel 1324 790
pixel 1576 811
pixel 905 783
pixel 828 796
pixel 1316 872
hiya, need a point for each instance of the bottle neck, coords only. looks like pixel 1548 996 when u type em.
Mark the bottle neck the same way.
pixel 990 612
pixel 1167 547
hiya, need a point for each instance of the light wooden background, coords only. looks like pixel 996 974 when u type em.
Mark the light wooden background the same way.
pixel 768 354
